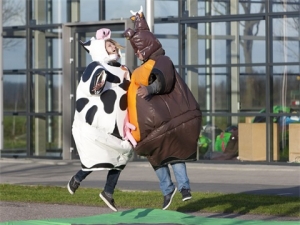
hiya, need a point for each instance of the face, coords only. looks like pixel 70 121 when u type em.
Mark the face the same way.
pixel 139 55
pixel 110 48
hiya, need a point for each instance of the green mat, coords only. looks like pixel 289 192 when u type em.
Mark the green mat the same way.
pixel 147 216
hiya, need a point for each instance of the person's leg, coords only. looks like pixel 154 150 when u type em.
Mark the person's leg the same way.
pixel 165 182
pixel 111 181
pixel 74 183
pixel 81 175
pixel 166 185
pixel 107 194
pixel 182 179
pixel 181 176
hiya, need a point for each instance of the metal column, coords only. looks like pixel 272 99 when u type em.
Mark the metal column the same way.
pixel 150 14
pixel 234 78
pixel 192 50
pixel 1 81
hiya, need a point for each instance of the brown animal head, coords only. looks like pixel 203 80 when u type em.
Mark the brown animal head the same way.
pixel 141 38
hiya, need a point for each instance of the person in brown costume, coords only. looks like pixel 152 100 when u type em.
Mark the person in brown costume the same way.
pixel 164 111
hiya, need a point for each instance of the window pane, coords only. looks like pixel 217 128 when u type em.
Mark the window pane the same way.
pixel 89 10
pixel 15 137
pixel 252 42
pixel 47 48
pixel 251 6
pixel 49 12
pixel 14 93
pixel 59 11
pixel 218 96
pixel 163 8
pixel 14 52
pixel 46 92
pixel 38 91
pixel 222 7
pixel 194 46
pixel 13 12
pixel 204 88
pixel 285 6
pixel 252 88
pixel 218 139
pixel 120 9
pixel 212 92
pixel 215 136
pixel 46 136
pixel 287 85
pixel 218 43
pixel 55 48
pixel 286 42
pixel 54 92
pixel 168 36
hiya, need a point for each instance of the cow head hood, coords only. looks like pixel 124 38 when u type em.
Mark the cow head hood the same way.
pixel 96 46
pixel 141 38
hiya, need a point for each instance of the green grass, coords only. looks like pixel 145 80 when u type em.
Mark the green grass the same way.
pixel 201 202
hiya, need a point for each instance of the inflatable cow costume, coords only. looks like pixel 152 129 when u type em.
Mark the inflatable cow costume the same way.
pixel 100 122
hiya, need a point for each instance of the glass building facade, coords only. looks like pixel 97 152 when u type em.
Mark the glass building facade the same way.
pixel 240 58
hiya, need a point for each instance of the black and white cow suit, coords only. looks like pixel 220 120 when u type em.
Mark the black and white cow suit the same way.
pixel 101 116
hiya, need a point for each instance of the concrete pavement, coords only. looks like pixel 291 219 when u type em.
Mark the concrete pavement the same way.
pixel 139 175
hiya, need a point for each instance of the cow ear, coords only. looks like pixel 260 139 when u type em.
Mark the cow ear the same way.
pixel 86 45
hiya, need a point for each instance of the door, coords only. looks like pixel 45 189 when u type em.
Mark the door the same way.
pixel 75 59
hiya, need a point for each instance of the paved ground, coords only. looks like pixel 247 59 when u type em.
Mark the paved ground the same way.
pixel 204 177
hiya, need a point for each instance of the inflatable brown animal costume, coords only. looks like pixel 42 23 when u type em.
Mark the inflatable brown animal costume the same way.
pixel 169 123
pixel 168 119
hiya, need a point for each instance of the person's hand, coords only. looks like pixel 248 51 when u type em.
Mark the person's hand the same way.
pixel 126 76
pixel 128 127
pixel 142 91
pixel 128 135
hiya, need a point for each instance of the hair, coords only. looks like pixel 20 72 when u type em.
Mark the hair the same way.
pixel 118 46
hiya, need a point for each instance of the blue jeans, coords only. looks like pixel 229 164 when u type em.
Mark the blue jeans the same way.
pixel 165 182
pixel 111 179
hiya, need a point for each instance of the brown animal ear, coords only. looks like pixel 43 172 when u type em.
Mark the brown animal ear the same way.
pixel 141 15
pixel 132 18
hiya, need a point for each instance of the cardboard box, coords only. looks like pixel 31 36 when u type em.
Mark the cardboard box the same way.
pixel 252 141
pixel 249 119
pixel 294 142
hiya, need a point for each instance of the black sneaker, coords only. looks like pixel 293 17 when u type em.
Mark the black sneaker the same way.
pixel 73 185
pixel 110 202
pixel 168 199
pixel 186 194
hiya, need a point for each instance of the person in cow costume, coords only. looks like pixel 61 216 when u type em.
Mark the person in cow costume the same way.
pixel 164 111
pixel 100 127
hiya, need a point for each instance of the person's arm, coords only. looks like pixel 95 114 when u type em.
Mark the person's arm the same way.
pixel 156 81
pixel 144 91
pixel 161 79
